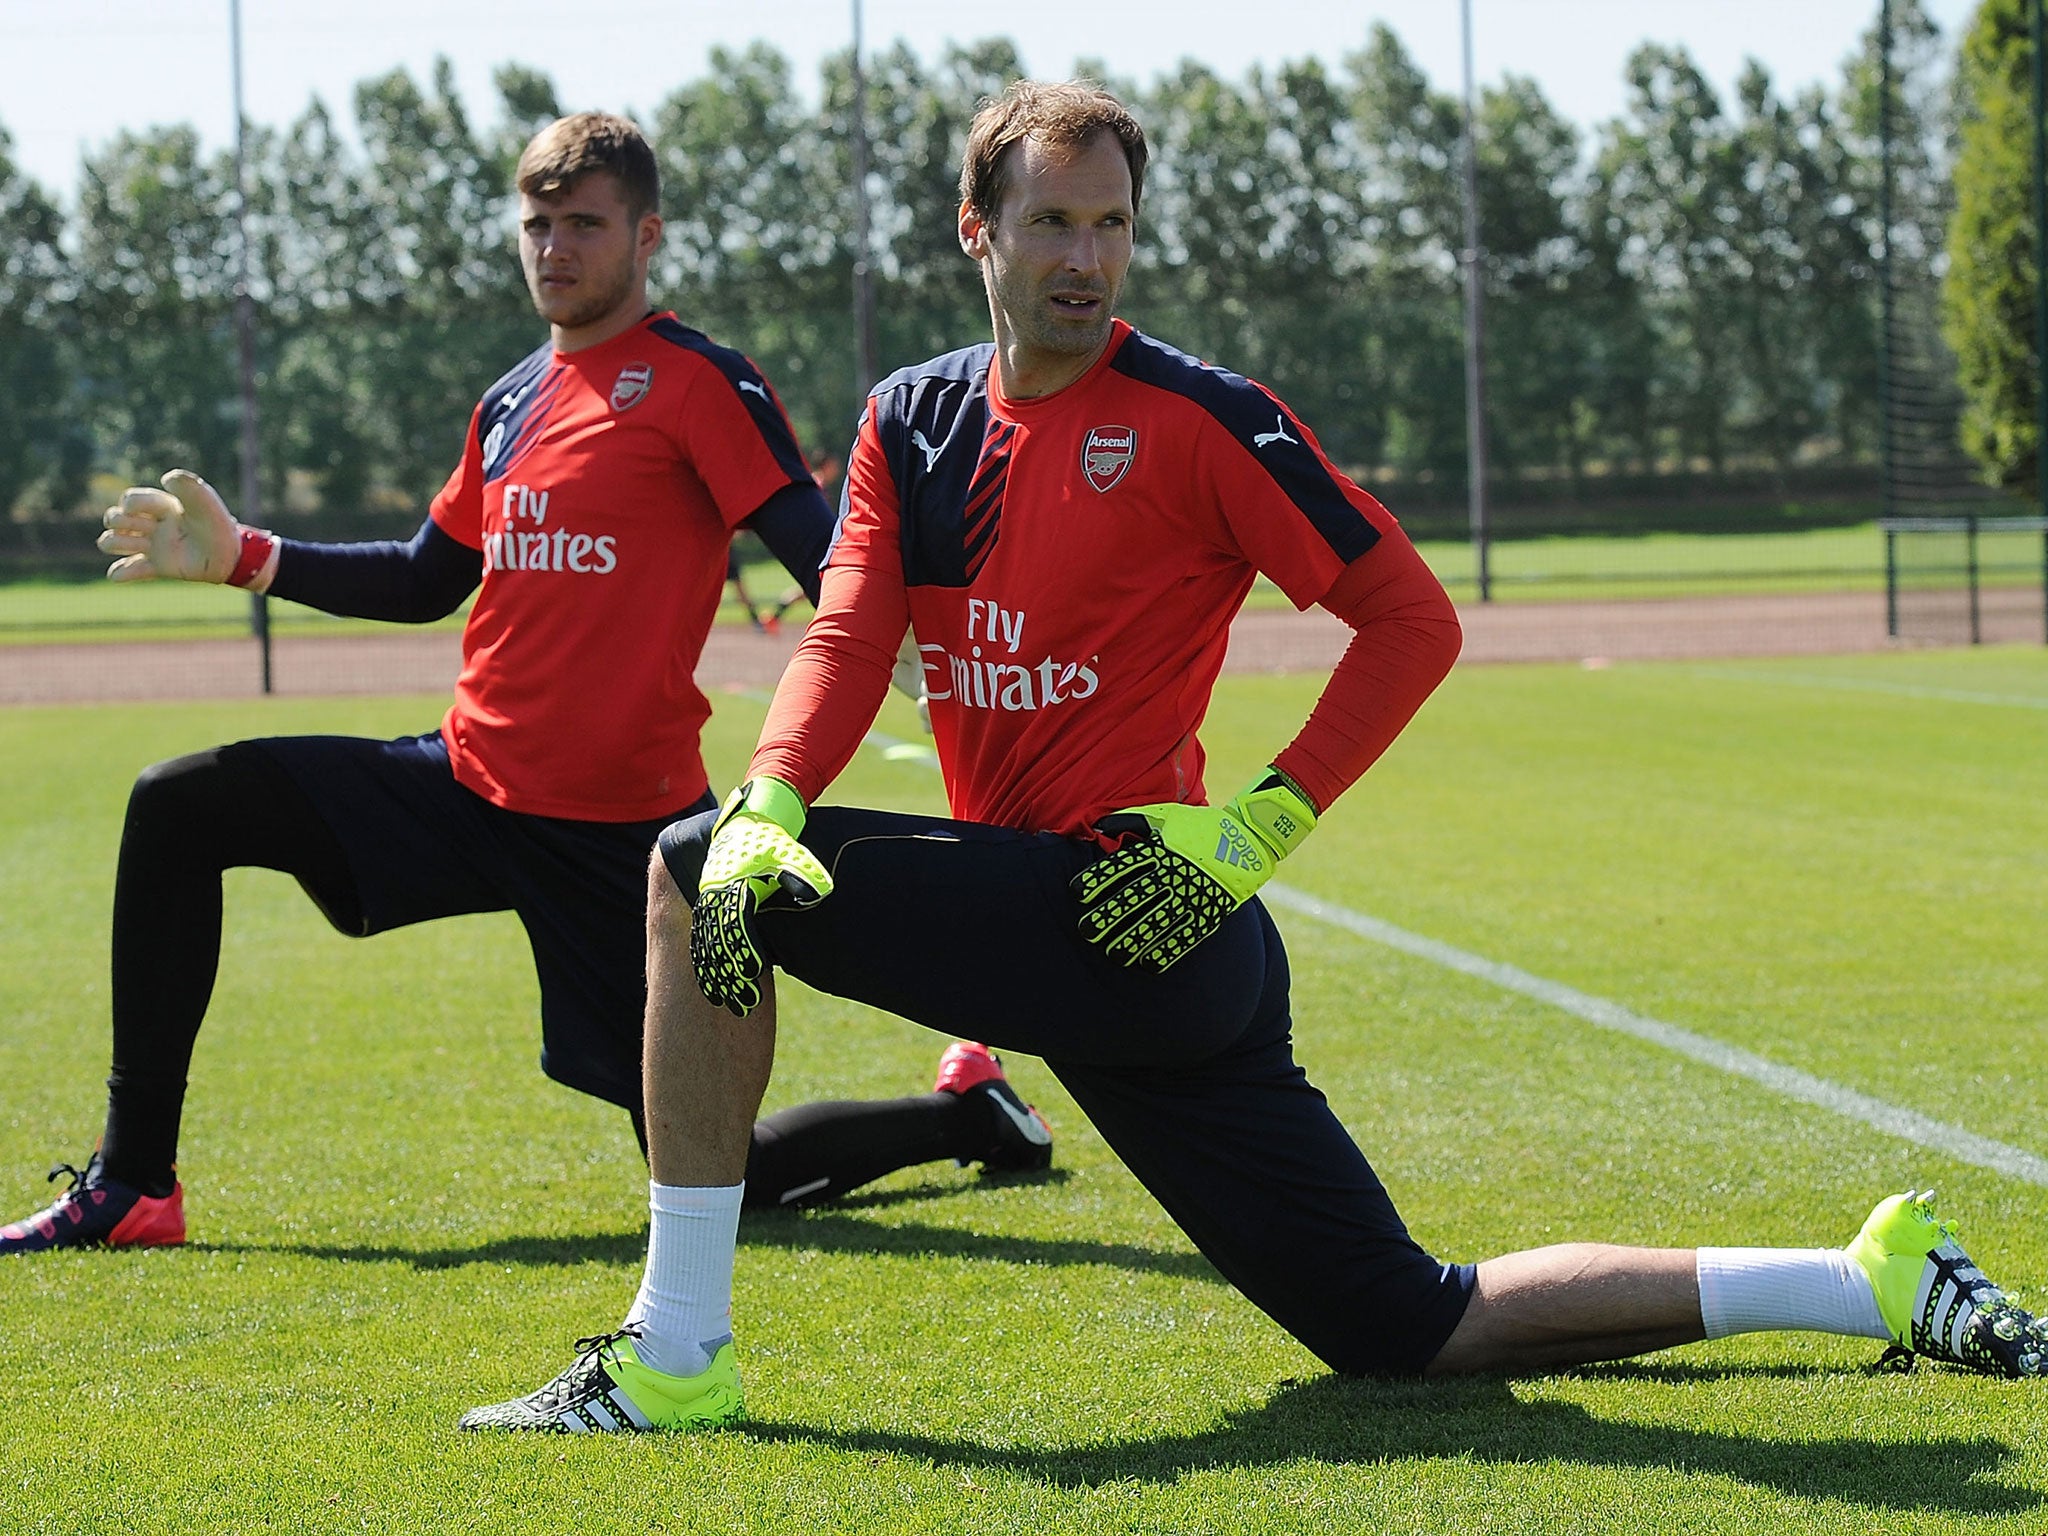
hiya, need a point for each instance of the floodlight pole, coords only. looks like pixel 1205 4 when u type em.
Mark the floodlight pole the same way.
pixel 1886 474
pixel 245 340
pixel 2040 256
pixel 863 272
pixel 1475 341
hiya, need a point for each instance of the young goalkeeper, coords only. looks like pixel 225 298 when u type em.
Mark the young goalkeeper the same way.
pixel 600 484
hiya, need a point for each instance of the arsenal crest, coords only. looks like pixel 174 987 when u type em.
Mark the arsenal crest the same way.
pixel 631 386
pixel 1106 455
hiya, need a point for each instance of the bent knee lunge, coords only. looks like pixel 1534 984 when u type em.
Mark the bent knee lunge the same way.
pixel 235 807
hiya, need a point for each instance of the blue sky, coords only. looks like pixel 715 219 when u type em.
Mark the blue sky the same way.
pixel 79 71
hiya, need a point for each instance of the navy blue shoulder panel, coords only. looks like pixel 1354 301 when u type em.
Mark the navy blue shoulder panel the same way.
pixel 1269 432
pixel 750 385
pixel 931 421
pixel 514 411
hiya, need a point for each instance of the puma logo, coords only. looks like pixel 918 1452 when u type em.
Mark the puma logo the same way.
pixel 1277 435
pixel 759 389
pixel 931 454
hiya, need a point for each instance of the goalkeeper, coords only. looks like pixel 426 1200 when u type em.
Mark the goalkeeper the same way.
pixel 600 484
pixel 1068 519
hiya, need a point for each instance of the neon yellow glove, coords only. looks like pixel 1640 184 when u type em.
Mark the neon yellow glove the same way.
pixel 181 533
pixel 1183 869
pixel 754 859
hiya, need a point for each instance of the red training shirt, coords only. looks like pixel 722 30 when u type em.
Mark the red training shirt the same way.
pixel 1070 566
pixel 602 487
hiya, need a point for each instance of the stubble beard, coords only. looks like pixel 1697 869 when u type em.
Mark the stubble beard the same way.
pixel 591 309
pixel 1034 322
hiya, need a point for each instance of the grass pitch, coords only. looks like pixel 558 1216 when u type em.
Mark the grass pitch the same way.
pixel 1837 864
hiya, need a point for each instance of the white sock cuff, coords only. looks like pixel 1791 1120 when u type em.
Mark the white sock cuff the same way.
pixel 694 1199
pixel 684 1309
pixel 1759 1290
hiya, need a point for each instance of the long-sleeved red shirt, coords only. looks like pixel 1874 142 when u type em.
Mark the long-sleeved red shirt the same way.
pixel 1070 566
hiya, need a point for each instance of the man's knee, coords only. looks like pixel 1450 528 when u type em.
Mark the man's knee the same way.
pixel 678 864
pixel 1407 1328
pixel 668 906
pixel 216 785
pixel 179 789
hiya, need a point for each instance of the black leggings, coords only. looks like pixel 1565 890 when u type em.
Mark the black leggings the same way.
pixel 1190 1076
pixel 816 1152
pixel 236 807
pixel 189 820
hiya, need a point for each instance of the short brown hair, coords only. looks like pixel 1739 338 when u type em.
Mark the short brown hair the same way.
pixel 1067 115
pixel 570 148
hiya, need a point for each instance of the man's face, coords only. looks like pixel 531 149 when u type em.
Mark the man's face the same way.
pixel 1056 252
pixel 584 257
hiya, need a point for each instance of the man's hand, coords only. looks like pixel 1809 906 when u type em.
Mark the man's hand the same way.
pixel 186 535
pixel 754 859
pixel 1183 869
pixel 907 677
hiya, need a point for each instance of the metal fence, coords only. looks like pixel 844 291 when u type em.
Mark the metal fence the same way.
pixel 1961 580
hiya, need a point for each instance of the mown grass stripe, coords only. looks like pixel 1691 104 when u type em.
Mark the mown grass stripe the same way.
pixel 1894 1120
pixel 1871 685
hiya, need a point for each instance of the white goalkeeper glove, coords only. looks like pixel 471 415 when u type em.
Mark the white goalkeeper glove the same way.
pixel 184 533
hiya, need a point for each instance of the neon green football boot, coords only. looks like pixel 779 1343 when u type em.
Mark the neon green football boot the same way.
pixel 608 1390
pixel 1936 1301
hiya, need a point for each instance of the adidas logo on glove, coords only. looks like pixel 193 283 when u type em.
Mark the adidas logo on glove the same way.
pixel 1237 850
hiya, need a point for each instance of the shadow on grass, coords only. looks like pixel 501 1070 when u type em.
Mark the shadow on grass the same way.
pixel 1344 1422
pixel 882 1199
pixel 831 1231
pixel 826 1230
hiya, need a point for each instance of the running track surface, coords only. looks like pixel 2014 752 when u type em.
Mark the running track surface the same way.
pixel 399 660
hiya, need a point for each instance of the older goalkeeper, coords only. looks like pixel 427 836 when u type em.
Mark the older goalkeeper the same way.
pixel 1069 518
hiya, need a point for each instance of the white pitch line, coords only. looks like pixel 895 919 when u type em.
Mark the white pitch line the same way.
pixel 1892 1119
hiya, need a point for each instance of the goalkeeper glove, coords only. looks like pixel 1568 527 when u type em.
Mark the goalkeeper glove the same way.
pixel 186 535
pixel 1183 869
pixel 753 860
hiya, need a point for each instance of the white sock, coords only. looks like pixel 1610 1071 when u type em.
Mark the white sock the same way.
pixel 1757 1290
pixel 684 1308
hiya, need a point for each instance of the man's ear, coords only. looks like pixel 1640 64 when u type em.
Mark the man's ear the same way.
pixel 974 233
pixel 648 238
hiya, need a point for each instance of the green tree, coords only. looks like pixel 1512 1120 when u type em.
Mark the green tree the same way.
pixel 1539 351
pixel 930 298
pixel 757 251
pixel 1210 218
pixel 1616 420
pixel 1410 228
pixel 320 420
pixel 1697 288
pixel 1315 265
pixel 1919 114
pixel 40 444
pixel 154 293
pixel 1668 171
pixel 1801 296
pixel 1988 298
pixel 440 307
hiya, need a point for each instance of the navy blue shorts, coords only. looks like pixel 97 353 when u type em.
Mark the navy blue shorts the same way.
pixel 1190 1076
pixel 421 846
